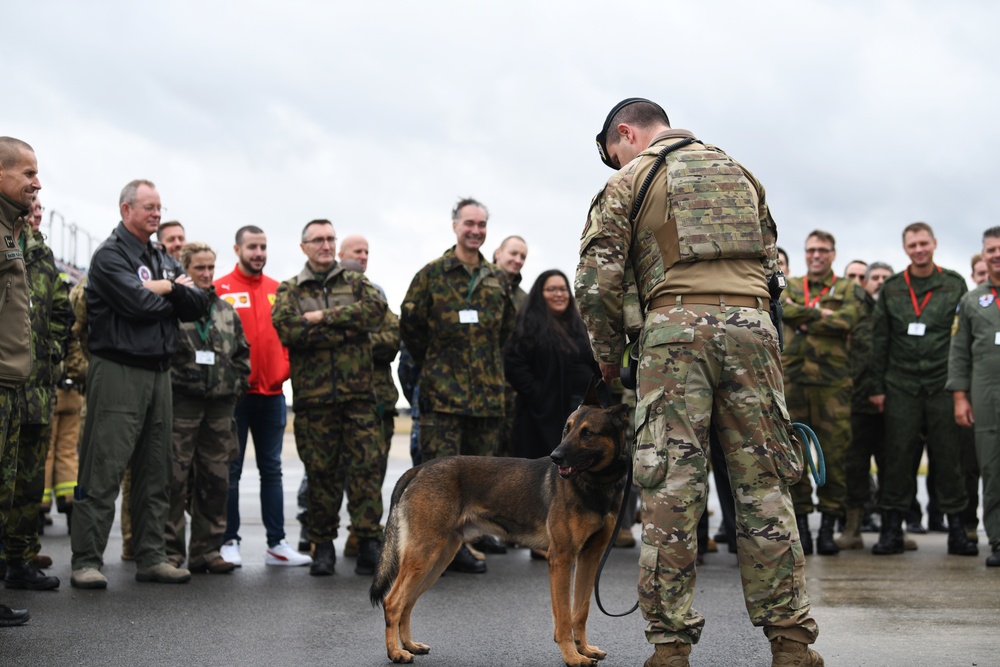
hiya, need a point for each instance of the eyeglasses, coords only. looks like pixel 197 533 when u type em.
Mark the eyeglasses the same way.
pixel 320 240
pixel 556 290
pixel 818 251
pixel 149 208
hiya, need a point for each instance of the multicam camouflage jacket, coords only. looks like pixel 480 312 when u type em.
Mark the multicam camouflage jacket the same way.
pixel 820 355
pixel 385 347
pixel 331 361
pixel 212 360
pixel 51 322
pixel 455 321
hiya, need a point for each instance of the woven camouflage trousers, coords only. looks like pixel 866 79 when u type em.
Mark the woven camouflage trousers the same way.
pixel 204 444
pixel 10 432
pixel 827 411
pixel 63 462
pixel 716 368
pixel 445 434
pixel 334 442
pixel 19 511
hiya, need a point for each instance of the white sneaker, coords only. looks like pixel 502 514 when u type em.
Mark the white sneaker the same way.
pixel 230 552
pixel 282 554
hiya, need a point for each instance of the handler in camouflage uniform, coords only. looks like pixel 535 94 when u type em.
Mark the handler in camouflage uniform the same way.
pixel 702 245
pixel 456 318
pixel 18 185
pixel 821 310
pixel 209 374
pixel 51 320
pixel 974 368
pixel 323 316
pixel 911 336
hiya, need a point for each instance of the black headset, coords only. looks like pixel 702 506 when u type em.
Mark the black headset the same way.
pixel 602 146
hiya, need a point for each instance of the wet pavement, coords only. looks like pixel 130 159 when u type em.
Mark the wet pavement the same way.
pixel 921 608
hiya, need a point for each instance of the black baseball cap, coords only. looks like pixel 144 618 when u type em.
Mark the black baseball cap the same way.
pixel 602 147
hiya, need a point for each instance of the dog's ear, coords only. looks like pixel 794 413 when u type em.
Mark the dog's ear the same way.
pixel 592 397
pixel 620 413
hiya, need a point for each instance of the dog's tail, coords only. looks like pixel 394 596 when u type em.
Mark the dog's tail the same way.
pixel 388 564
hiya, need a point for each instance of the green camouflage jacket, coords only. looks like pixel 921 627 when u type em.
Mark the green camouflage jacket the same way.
pixel 219 337
pixel 861 354
pixel 820 355
pixel 461 362
pixel 51 321
pixel 385 347
pixel 331 361
pixel 914 363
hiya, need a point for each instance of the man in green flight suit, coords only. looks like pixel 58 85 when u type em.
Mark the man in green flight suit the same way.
pixel 974 368
pixel 910 341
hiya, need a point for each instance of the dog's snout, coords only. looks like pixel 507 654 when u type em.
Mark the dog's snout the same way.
pixel 557 456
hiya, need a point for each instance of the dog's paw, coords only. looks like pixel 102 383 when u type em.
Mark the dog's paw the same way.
pixel 593 652
pixel 579 660
pixel 417 648
pixel 400 656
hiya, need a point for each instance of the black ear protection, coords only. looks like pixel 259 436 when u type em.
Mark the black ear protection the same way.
pixel 602 146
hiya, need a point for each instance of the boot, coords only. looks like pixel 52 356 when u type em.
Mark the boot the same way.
pixel 305 546
pixel 825 544
pixel 369 552
pixel 935 522
pixel 464 561
pixel 324 560
pixel 28 577
pixel 993 560
pixel 351 547
pixel 913 524
pixel 959 543
pixel 11 617
pixel 787 652
pixel 802 521
pixel 489 544
pixel 851 537
pixel 869 524
pixel 890 540
pixel 674 654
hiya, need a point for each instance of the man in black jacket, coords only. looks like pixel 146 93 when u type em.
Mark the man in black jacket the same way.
pixel 135 296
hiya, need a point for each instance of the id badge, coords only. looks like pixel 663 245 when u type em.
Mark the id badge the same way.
pixel 204 357
pixel 996 338
pixel 468 317
pixel 916 329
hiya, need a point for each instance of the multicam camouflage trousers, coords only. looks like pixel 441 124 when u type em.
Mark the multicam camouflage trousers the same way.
pixel 204 444
pixel 716 368
pixel 334 441
pixel 827 410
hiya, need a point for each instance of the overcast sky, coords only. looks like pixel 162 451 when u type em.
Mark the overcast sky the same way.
pixel 858 117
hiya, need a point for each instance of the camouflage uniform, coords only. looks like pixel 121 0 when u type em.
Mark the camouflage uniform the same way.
pixel 336 429
pixel 504 440
pixel 867 423
pixel 51 319
pixel 702 366
pixel 461 364
pixel 385 347
pixel 818 380
pixel 911 372
pixel 204 433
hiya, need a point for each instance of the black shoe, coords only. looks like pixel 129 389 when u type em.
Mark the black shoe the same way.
pixel 369 552
pixel 304 544
pixel 869 524
pixel 890 540
pixel 936 523
pixel 464 561
pixel 27 576
pixel 914 526
pixel 720 537
pixel 11 617
pixel 959 543
pixel 825 544
pixel 489 544
pixel 324 560
pixel 994 559
pixel 802 521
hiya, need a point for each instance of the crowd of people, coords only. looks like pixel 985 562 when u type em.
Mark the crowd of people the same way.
pixel 148 376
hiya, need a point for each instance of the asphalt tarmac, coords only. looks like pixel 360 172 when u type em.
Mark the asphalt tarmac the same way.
pixel 921 608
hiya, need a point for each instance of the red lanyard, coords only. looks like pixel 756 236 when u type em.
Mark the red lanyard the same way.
pixel 994 290
pixel 805 287
pixel 913 295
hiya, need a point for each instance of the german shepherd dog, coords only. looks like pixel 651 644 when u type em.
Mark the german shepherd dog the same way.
pixel 566 503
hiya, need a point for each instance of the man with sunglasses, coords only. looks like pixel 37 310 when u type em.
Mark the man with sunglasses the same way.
pixel 694 226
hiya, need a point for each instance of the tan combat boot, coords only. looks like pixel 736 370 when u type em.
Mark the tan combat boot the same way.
pixel 787 652
pixel 674 654
pixel 851 537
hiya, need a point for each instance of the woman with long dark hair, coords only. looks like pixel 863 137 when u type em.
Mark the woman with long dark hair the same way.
pixel 549 363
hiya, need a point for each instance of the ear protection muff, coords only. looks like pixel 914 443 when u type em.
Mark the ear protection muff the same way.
pixel 602 146
pixel 628 373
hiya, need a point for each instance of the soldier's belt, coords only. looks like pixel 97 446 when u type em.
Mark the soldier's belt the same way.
pixel 721 300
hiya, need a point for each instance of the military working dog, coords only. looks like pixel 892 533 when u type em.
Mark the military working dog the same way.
pixel 565 504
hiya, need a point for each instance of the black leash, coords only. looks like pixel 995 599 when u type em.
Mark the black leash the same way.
pixel 611 545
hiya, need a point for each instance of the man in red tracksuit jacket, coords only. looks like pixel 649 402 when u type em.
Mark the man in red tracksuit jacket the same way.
pixel 262 410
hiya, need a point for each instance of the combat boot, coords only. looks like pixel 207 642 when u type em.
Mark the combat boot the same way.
pixel 935 522
pixel 993 560
pixel 825 544
pixel 324 560
pixel 787 652
pixel 851 537
pixel 11 617
pixel 959 543
pixel 674 654
pixel 369 551
pixel 890 540
pixel 802 521
pixel 25 575
pixel 464 561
